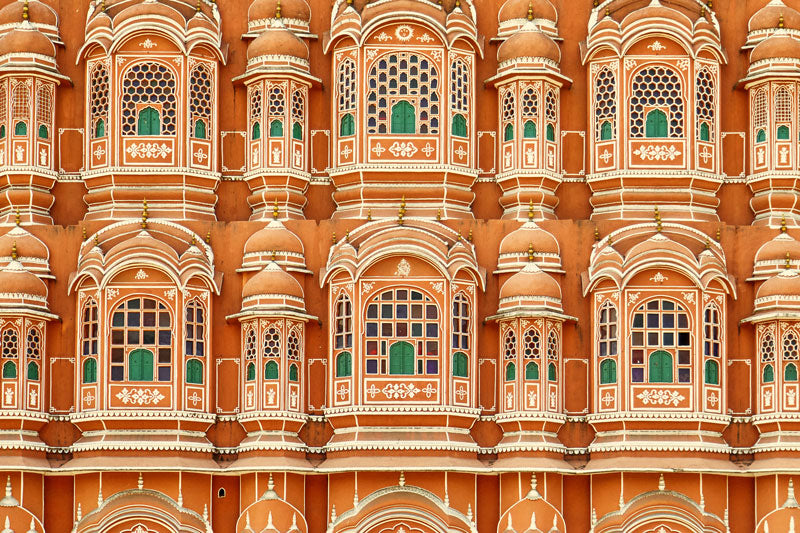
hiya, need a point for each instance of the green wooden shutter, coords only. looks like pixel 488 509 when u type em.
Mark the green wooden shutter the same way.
pixel 343 365
pixel 149 122
pixel 511 372
pixel 293 372
pixel 401 358
pixel 140 365
pixel 276 128
pixel 783 133
pixel 532 371
pixel 33 371
pixel 508 133
pixel 90 371
pixel 256 131
pixel 660 367
pixel 761 136
pixel 656 124
pixel 712 373
pixel 608 371
pixel 705 132
pixel 271 370
pixel 347 126
pixel 790 372
pixel 769 374
pixel 21 129
pixel 551 133
pixel 194 372
pixel 9 370
pixel 251 372
pixel 459 126
pixel 44 134
pixel 403 119
pixel 529 130
pixel 460 365
pixel 199 129
pixel 605 131
pixel 297 131
pixel 100 129
pixel 551 372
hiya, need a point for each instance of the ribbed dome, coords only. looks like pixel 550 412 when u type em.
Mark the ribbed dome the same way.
pixel 290 9
pixel 26 245
pixel 422 7
pixel 38 13
pixel 518 9
pixel 529 42
pixel 200 21
pixel 777 248
pixel 15 280
pixel 149 9
pixel 775 47
pixel 769 17
pixel 656 11
pixel 277 41
pixel 26 39
pixel 530 283
pixel 787 283
pixel 529 235
pixel 101 20
pixel 273 238
pixel 272 281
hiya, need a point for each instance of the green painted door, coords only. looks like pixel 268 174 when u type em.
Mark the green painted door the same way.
pixel 401 358
pixel 149 122
pixel 656 125
pixel 660 367
pixel 403 118
pixel 140 365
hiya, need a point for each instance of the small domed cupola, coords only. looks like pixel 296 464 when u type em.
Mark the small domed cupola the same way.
pixel 513 16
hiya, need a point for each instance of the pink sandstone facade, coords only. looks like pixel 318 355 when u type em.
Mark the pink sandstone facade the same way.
pixel 399 266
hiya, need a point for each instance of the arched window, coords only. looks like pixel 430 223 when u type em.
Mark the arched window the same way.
pixel 250 352
pixel 460 318
pixel 21 129
pixel 347 126
pixel 194 372
pixel 652 86
pixel 346 86
pixel 33 371
pixel 608 372
pixel 99 97
pixel 251 371
pixel 344 365
pixel 140 365
pixel 90 371
pixel 783 105
pixel 293 373
pixel 529 131
pixel 553 350
pixel 20 108
pixel 141 332
pixel 44 109
pixel 2 131
pixel 769 374
pixel 656 126
pixel 194 330
pixel 460 366
pixel 605 104
pixel 298 114
pixel 343 323
pixel 511 372
pixel 10 343
pixel 760 115
pixel 9 370
pixel 403 77
pixel 3 110
pixel 607 331
pixel 508 112
pixel 459 87
pixel 551 114
pixel 256 113
pixel 791 350
pixel 152 85
pixel 403 118
pixel 403 322
pixel 705 103
pixel 712 372
pixel 271 370
pixel 790 372
pixel 660 368
pixel 276 110
pixel 531 346
pixel 459 126
pixel 783 133
pixel 712 337
pixel 294 350
pixel 149 123
pixel 661 327
pixel 530 112
pixel 200 100
pixel 401 358
pixel 767 354
pixel 551 372
pixel 509 347
pixel 531 371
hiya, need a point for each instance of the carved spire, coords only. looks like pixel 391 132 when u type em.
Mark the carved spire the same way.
pixel 791 501
pixel 661 484
pixel 8 500
pixel 140 481
pixel 533 494
pixel 270 524
pixel 32 528
pixel 402 480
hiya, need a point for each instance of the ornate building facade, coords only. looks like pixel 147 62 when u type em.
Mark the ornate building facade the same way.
pixel 399 266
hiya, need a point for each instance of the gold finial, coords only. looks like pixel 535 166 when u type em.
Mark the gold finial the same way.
pixel 349 2
pixel 199 7
pixel 275 209
pixel 103 5
pixel 458 3
pixel 334 240
pixel 274 255
pixel 710 4
pixel 608 12
pixel 596 233
pixel 783 223
pixel 83 232
pixel 96 240
pixel 14 250
pixel 439 215
pixel 719 234
pixel 402 211
pixel 369 215
pixel 17 218
pixel 459 236
pixel 346 236
pixel 596 3
pixel 194 241
pixel 208 237
pixel 25 10
pixel 609 240
pixel 278 10
pixel 144 214
pixel 788 261
pixel 469 236
pixel 530 210
pixel 530 252
pixel 708 243
pixel 702 11
pixel 780 21
pixel 530 10
pixel 657 216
